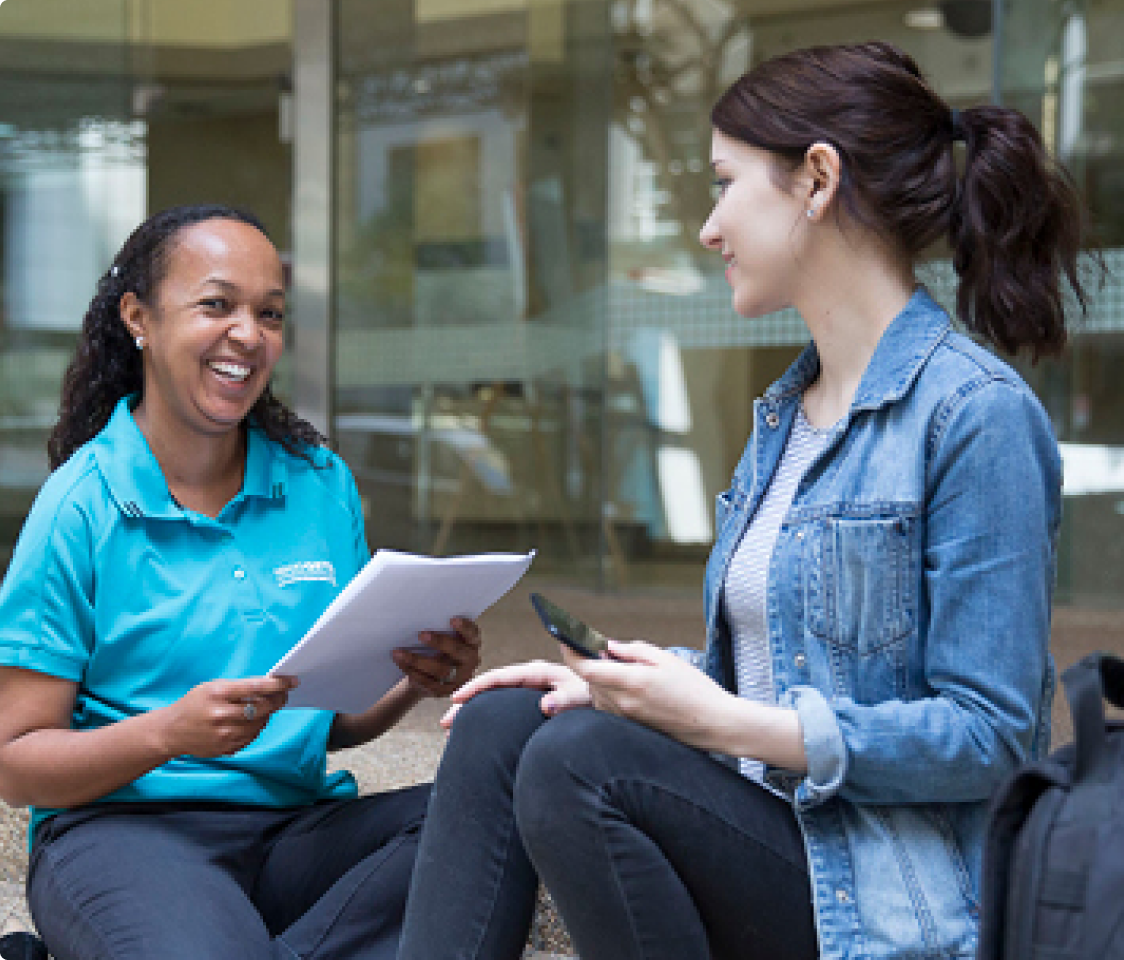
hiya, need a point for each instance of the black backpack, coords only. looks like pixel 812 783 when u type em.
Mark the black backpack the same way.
pixel 1053 874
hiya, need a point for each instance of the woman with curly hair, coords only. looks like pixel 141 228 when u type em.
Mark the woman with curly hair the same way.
pixel 192 530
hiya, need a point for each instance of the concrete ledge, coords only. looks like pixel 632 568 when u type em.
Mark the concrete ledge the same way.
pixel 13 908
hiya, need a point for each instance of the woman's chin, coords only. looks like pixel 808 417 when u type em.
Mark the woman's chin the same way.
pixel 752 309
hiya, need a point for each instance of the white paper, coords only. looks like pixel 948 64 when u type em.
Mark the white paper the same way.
pixel 344 662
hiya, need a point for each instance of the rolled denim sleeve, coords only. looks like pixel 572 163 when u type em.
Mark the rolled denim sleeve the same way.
pixel 979 694
pixel 824 749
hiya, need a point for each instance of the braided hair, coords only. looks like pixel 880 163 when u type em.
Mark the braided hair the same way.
pixel 107 365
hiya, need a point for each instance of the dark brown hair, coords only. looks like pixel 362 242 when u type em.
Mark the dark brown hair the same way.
pixel 107 365
pixel 1012 217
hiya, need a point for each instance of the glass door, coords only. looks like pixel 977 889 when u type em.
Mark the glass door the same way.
pixel 471 178
pixel 72 184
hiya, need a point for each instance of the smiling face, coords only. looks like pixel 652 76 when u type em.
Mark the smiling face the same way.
pixel 213 331
pixel 758 226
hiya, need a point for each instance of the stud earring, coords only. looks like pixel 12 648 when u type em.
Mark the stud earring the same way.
pixel 140 343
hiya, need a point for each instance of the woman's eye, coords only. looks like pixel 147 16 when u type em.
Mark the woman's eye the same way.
pixel 719 185
pixel 273 317
pixel 213 303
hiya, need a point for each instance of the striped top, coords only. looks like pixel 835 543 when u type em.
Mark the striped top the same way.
pixel 747 577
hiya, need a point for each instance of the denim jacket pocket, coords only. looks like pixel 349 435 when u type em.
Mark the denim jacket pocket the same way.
pixel 862 582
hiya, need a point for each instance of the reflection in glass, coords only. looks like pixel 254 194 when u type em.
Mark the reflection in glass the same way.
pixel 72 184
pixel 109 110
pixel 1062 66
pixel 470 275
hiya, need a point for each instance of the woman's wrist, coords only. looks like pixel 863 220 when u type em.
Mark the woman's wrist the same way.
pixel 354 729
pixel 760 731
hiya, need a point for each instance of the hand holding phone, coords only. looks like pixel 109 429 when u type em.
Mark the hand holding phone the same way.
pixel 568 629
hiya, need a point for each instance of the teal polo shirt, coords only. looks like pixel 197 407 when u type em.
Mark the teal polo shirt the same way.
pixel 114 586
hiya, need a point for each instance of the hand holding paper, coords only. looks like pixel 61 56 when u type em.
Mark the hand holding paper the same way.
pixel 344 662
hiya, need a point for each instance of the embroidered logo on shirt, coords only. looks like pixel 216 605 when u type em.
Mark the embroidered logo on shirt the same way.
pixel 304 571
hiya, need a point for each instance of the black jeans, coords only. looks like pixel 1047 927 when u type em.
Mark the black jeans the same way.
pixel 144 880
pixel 651 849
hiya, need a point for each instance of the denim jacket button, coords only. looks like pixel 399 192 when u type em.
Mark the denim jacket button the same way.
pixel 799 660
pixel 772 419
pixel 842 895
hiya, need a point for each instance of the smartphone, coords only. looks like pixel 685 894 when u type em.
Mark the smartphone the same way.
pixel 578 636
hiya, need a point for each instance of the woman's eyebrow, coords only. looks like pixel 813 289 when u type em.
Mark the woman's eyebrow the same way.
pixel 229 285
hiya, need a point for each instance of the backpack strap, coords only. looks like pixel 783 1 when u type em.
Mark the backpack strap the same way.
pixel 1088 683
pixel 1009 809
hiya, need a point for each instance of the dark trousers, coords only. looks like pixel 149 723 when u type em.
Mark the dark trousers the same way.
pixel 132 881
pixel 651 849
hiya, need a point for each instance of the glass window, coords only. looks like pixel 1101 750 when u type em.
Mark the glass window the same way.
pixel 1064 67
pixel 111 109
pixel 72 184
pixel 533 349
pixel 683 367
pixel 471 273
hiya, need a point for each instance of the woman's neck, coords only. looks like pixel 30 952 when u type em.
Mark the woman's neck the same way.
pixel 847 311
pixel 204 472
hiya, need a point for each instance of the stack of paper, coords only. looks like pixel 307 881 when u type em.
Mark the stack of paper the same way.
pixel 344 662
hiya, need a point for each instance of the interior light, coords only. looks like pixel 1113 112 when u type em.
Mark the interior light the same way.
pixel 925 18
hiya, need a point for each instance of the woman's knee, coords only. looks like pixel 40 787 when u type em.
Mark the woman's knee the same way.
pixel 563 768
pixel 499 714
pixel 489 734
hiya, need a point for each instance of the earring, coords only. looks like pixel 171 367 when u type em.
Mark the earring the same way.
pixel 811 212
pixel 140 343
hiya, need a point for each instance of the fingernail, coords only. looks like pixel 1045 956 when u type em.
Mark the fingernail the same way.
pixel 548 704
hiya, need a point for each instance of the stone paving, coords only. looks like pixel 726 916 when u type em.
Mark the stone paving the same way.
pixel 409 753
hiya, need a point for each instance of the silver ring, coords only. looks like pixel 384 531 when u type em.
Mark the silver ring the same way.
pixel 250 711
pixel 450 676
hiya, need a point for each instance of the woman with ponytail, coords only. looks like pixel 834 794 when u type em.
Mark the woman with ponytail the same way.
pixel 878 597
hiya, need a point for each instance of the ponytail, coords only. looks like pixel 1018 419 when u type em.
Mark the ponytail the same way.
pixel 1016 230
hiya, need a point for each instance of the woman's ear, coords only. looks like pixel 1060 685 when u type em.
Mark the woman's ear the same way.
pixel 820 177
pixel 134 315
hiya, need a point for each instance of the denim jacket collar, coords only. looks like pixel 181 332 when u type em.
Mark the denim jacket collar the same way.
pixel 901 352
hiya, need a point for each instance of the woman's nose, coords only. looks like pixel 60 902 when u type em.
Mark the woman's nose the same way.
pixel 709 236
pixel 245 328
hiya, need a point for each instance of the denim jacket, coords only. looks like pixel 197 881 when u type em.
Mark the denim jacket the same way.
pixel 908 616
